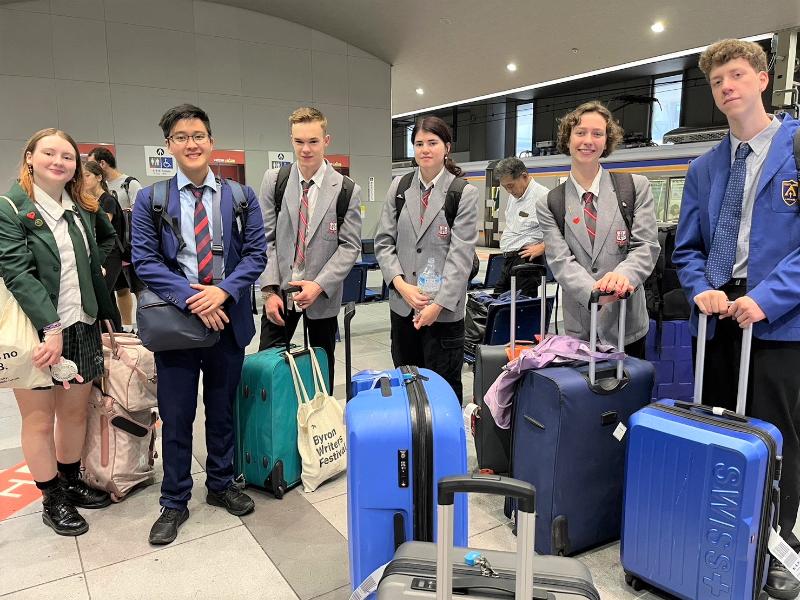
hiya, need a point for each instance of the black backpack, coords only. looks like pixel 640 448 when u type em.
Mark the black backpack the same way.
pixel 124 243
pixel 342 201
pixel 451 203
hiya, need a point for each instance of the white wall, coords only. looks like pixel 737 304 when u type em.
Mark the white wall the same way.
pixel 106 70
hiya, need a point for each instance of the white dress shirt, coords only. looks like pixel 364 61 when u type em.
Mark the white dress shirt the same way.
pixel 594 188
pixel 187 258
pixel 70 308
pixel 754 164
pixel 522 225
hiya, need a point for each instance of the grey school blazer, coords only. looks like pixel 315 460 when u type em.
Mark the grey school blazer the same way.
pixel 403 246
pixel 576 266
pixel 330 253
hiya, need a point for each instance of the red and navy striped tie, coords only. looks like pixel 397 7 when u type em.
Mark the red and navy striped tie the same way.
pixel 202 236
pixel 426 195
pixel 590 215
pixel 302 228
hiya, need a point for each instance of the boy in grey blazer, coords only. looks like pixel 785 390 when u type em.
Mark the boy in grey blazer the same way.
pixel 596 250
pixel 306 246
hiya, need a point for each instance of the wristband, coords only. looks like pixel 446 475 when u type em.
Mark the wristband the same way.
pixel 53 328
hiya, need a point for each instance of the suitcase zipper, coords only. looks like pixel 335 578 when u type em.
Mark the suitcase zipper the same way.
pixel 416 567
pixel 422 458
pixel 769 442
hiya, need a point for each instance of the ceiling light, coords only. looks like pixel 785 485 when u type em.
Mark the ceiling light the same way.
pixel 511 67
pixel 657 27
pixel 575 50
pixel 420 91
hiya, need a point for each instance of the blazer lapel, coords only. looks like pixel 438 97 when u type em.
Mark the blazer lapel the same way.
pixel 606 206
pixel 31 218
pixel 227 217
pixel 291 202
pixel 413 196
pixel 573 209
pixel 722 169
pixel 435 201
pixel 329 189
pixel 779 152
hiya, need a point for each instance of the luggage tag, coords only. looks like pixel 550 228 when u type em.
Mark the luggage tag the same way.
pixel 369 585
pixel 619 432
pixel 784 553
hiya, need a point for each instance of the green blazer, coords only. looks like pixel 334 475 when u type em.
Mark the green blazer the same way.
pixel 31 266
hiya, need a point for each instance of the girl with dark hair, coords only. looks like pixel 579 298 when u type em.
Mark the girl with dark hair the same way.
pixel 95 184
pixel 53 239
pixel 414 227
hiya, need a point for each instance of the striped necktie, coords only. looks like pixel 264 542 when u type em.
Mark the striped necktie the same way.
pixel 426 195
pixel 302 228
pixel 202 237
pixel 590 215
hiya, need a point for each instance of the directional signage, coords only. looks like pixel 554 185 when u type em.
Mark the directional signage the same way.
pixel 158 162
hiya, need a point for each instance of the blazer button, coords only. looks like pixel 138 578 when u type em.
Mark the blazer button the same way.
pixel 414 273
pixel 594 269
pixel 55 269
pixel 419 250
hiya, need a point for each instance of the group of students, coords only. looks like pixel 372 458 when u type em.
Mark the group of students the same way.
pixel 737 248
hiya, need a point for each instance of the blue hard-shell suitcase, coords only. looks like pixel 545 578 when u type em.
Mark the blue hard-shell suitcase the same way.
pixel 701 494
pixel 564 443
pixel 405 431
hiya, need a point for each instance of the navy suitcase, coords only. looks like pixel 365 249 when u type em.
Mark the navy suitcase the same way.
pixel 701 494
pixel 564 443
pixel 405 431
pixel 669 347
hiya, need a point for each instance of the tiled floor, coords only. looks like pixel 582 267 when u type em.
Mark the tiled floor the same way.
pixel 292 548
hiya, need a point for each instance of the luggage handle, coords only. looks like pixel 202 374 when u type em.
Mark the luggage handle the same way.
pixel 349 313
pixel 525 494
pixel 541 270
pixel 293 289
pixel 744 363
pixel 594 300
pixel 711 410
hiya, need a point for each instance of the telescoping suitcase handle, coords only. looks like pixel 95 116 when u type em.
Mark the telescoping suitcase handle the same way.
pixel 744 365
pixel 517 270
pixel 349 313
pixel 594 300
pixel 496 485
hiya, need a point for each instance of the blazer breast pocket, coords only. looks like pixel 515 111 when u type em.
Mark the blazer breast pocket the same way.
pixel 784 192
pixel 331 231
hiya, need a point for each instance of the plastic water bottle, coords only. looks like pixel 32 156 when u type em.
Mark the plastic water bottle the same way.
pixel 429 282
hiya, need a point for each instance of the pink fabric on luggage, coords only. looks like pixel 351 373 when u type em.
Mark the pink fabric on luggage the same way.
pixel 555 350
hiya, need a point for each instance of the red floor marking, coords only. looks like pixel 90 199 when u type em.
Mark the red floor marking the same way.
pixel 17 490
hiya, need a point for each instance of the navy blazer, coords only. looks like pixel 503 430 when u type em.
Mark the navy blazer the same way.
pixel 156 261
pixel 773 270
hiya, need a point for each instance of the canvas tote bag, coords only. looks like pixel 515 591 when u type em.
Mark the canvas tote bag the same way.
pixel 320 429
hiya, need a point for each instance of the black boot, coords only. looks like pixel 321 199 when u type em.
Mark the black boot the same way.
pixel 59 513
pixel 77 490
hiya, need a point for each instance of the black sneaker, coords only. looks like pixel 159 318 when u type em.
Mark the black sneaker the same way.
pixel 81 495
pixel 165 529
pixel 781 584
pixel 233 500
pixel 59 513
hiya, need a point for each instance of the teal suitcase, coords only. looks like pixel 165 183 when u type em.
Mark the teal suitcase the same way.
pixel 266 418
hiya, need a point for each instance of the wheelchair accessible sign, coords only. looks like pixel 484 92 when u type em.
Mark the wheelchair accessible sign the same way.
pixel 158 162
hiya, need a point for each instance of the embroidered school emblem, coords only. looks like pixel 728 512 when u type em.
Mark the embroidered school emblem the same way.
pixel 622 237
pixel 789 192
pixel 444 231
pixel 332 227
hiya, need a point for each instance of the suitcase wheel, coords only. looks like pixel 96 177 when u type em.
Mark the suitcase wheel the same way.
pixel 634 582
pixel 276 483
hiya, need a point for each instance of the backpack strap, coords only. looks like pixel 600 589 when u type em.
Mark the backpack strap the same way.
pixel 159 204
pixel 400 194
pixel 239 200
pixel 343 202
pixel 453 199
pixel 626 197
pixel 557 203
pixel 796 145
pixel 127 184
pixel 280 187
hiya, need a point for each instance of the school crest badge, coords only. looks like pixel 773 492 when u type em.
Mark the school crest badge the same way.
pixel 332 227
pixel 789 192
pixel 622 237
pixel 443 232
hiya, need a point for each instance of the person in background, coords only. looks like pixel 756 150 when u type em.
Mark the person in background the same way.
pixel 428 332
pixel 522 240
pixel 124 188
pixel 737 243
pixel 52 245
pixel 96 186
pixel 590 246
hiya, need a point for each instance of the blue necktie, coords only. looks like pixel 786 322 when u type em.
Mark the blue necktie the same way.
pixel 719 266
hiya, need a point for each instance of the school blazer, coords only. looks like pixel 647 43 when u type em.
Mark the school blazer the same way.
pixel 773 269
pixel 31 266
pixel 330 253
pixel 156 260
pixel 403 245
pixel 576 265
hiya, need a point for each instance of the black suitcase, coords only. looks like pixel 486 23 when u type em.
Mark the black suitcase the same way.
pixel 493 444
pixel 425 570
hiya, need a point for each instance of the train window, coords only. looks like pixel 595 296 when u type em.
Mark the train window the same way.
pixel 524 128
pixel 675 196
pixel 666 113
pixel 659 188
